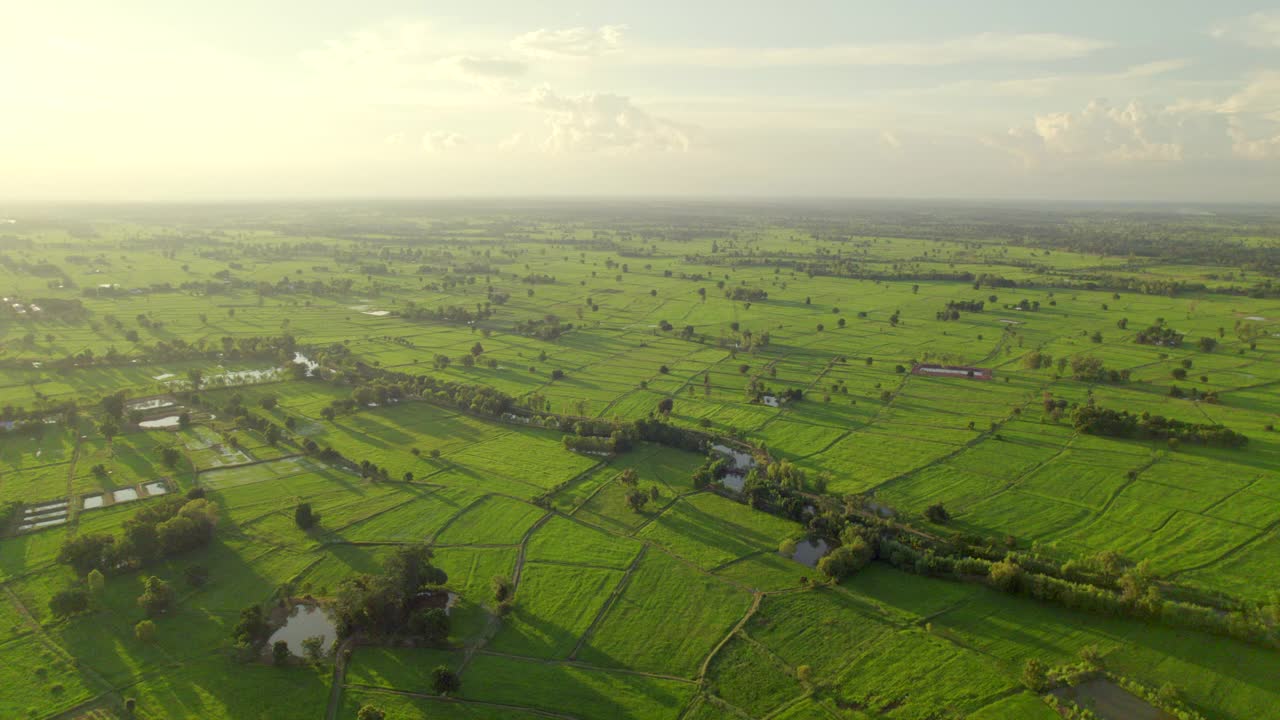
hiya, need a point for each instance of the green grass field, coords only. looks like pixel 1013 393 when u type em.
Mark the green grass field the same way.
pixel 684 608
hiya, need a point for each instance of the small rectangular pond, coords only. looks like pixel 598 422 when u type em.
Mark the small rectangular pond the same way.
pixel 124 495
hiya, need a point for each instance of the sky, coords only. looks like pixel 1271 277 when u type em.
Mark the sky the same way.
pixel 174 100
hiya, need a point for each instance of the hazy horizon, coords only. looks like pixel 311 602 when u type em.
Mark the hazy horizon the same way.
pixel 145 101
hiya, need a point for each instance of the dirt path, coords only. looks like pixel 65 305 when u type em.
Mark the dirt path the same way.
pixel 339 679
pixel 609 602
pixel 706 662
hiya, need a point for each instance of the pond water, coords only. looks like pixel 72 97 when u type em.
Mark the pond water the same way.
pixel 810 552
pixel 42 523
pixel 125 495
pixel 156 488
pixel 739 464
pixel 91 501
pixel 305 621
pixel 740 460
pixel 45 514
pixel 769 400
pixel 152 404
pixel 168 421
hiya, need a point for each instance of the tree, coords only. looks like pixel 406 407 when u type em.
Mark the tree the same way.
pixel 304 516
pixel 369 712
pixel 444 680
pixel 268 402
pixel 1035 676
pixel 637 499
pixel 665 406
pixel 113 405
pixel 251 632
pixel 88 552
pixel 195 376
pixel 936 513
pixel 1208 344
pixel 69 602
pixel 845 560
pixel 502 588
pixel 432 624
pixel 1006 575
pixel 313 648
pixel 157 596
pixel 109 429
pixel 170 456
pixel 145 631
pixel 280 652
pixel 477 350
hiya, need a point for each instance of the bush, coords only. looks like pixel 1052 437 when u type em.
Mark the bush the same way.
pixel 145 631
pixel 69 602
pixel 369 712
pixel 936 513
pixel 157 596
pixel 304 516
pixel 280 652
pixel 444 680
pixel 845 560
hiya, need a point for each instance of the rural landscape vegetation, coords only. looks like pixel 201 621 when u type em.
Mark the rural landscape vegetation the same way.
pixel 696 460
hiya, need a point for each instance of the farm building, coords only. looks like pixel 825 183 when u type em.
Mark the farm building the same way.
pixel 974 373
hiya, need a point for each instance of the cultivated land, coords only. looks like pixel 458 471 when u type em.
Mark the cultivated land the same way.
pixel 789 333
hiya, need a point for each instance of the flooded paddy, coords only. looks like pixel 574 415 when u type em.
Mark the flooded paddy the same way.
pixel 124 495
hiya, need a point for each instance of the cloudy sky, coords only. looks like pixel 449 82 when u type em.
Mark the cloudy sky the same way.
pixel 174 99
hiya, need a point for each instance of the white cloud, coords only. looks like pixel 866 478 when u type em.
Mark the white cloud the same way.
pixel 493 67
pixel 513 141
pixel 890 140
pixel 1103 133
pixel 983 47
pixel 495 74
pixel 1261 29
pixel 442 141
pixel 604 122
pixel 578 42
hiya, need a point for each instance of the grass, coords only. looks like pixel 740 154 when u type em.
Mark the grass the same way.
pixel 645 624
pixel 667 618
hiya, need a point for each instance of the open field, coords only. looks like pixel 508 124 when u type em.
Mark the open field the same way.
pixel 632 590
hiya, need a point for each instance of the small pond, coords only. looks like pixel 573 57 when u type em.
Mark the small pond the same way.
pixel 305 621
pixel 125 495
pixel 810 552
pixel 734 481
pixel 169 421
pixel 156 488
pixel 741 461
pixel 91 501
